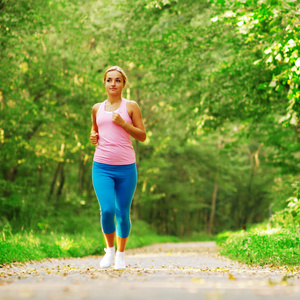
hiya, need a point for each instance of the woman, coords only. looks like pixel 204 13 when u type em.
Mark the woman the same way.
pixel 114 167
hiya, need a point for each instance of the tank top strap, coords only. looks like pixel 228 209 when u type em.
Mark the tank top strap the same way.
pixel 122 106
pixel 101 107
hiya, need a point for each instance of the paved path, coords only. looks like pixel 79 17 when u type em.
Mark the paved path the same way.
pixel 165 271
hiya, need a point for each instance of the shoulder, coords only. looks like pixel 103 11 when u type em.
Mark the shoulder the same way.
pixel 96 107
pixel 132 105
pixel 133 109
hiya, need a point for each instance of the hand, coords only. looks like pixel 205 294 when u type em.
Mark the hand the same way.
pixel 94 138
pixel 117 119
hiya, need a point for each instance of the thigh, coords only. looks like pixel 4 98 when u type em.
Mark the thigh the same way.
pixel 104 185
pixel 125 187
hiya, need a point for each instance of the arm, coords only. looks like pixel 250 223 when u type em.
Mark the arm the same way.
pixel 137 129
pixel 94 131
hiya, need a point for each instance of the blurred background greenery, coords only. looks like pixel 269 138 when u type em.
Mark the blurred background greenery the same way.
pixel 218 86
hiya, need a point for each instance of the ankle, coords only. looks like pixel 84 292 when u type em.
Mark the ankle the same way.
pixel 110 250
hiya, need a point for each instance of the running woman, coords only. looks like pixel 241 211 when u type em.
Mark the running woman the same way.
pixel 114 166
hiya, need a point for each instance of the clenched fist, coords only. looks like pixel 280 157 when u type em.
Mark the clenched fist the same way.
pixel 94 138
pixel 117 119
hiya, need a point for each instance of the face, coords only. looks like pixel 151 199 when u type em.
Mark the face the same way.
pixel 114 83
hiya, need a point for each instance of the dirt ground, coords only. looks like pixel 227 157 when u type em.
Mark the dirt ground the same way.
pixel 162 271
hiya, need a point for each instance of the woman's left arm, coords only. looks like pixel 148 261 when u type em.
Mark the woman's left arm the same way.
pixel 137 129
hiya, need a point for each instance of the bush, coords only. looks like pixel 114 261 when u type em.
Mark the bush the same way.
pixel 290 216
pixel 274 246
pixel 275 242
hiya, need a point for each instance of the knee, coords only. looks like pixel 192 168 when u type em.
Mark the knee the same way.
pixel 107 214
pixel 122 218
pixel 123 225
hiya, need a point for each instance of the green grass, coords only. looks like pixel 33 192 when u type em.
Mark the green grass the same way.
pixel 262 245
pixel 27 246
pixel 275 242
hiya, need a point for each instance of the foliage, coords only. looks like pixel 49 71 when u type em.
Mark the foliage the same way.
pixel 218 87
pixel 290 216
pixel 272 246
pixel 272 27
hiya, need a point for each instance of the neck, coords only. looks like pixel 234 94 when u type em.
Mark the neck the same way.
pixel 114 99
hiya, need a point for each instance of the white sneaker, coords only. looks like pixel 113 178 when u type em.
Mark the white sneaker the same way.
pixel 119 261
pixel 108 258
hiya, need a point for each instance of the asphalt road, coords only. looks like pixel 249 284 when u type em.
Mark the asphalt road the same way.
pixel 164 271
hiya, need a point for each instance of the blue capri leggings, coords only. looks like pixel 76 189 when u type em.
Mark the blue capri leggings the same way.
pixel 114 187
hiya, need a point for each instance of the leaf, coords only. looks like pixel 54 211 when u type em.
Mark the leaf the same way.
pixel 231 277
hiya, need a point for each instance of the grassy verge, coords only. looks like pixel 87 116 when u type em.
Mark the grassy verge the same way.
pixel 262 245
pixel 26 246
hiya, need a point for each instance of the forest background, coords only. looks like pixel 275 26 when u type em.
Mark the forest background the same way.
pixel 218 85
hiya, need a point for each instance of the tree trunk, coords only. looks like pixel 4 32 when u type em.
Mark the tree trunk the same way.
pixel 214 197
pixel 12 173
pixel 61 181
pixel 40 181
pixel 82 169
pixel 54 178
pixel 248 199
pixel 254 161
pixel 213 209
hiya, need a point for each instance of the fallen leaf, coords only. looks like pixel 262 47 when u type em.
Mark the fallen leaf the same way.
pixel 231 277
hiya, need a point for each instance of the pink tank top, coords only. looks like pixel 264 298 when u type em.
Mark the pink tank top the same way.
pixel 114 143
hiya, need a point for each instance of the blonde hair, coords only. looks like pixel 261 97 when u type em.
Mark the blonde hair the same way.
pixel 116 68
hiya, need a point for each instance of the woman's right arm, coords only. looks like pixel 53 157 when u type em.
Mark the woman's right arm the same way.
pixel 94 131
